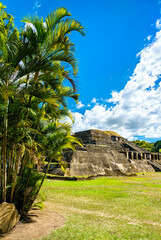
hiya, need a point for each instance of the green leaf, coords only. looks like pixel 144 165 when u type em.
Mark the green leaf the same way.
pixel 9 217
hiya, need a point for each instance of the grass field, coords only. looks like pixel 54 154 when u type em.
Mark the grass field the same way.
pixel 107 208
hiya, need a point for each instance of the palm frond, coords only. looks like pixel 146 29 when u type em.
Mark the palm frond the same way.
pixel 55 17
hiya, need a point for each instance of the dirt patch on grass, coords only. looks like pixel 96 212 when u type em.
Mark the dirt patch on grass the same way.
pixel 43 223
pixel 105 215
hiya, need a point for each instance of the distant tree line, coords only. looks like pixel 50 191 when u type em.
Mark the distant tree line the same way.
pixel 151 147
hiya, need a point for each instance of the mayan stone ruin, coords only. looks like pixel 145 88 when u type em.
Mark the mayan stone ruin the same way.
pixel 105 153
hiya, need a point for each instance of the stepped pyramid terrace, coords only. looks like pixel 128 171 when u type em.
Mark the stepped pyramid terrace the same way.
pixel 106 153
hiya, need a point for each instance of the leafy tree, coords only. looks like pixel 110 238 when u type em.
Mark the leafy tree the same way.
pixel 146 145
pixel 157 146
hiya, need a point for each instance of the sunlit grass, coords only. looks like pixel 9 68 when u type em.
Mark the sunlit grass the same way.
pixel 107 208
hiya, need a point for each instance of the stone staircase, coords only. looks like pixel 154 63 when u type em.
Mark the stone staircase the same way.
pixel 99 138
pixel 156 165
pixel 133 147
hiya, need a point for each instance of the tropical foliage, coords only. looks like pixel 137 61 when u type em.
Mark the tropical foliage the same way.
pixel 157 146
pixel 34 62
pixel 151 147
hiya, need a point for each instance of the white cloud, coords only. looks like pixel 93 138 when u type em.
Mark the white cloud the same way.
pixel 80 105
pixel 149 37
pixel 158 23
pixel 94 100
pixel 137 107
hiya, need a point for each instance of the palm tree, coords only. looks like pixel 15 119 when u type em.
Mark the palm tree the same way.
pixel 55 137
pixel 32 94
pixel 9 37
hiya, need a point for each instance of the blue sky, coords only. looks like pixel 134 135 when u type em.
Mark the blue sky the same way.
pixel 119 63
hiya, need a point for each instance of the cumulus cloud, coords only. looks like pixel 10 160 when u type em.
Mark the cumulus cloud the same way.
pixel 94 100
pixel 80 105
pixel 137 107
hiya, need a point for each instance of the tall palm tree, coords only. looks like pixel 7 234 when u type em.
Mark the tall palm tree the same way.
pixel 9 38
pixel 32 70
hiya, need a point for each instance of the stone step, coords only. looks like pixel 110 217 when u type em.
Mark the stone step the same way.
pixel 157 166
pixel 134 146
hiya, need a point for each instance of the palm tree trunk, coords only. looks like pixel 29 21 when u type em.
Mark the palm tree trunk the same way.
pixel 0 173
pixel 15 174
pixel 5 147
pixel 9 175
pixel 43 178
pixel 36 76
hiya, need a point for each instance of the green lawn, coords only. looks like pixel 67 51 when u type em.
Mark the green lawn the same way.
pixel 107 208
